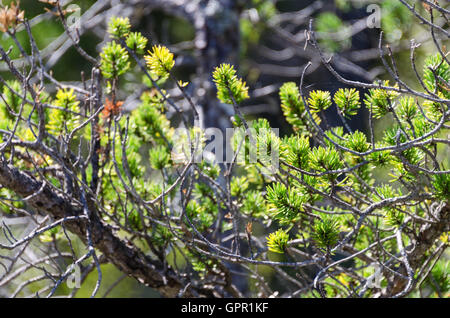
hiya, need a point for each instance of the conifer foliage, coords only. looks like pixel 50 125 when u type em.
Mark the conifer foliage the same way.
pixel 110 182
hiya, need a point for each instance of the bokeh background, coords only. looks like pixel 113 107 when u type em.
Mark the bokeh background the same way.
pixel 264 39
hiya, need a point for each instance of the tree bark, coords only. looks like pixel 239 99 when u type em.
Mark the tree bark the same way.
pixel 129 259
pixel 425 240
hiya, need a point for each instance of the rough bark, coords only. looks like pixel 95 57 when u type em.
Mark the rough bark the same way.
pixel 129 259
pixel 425 240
